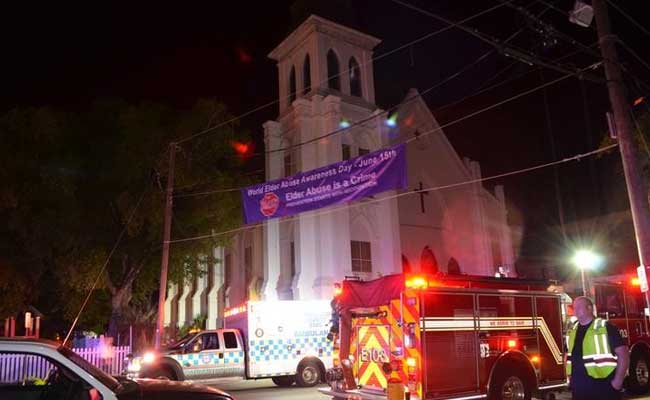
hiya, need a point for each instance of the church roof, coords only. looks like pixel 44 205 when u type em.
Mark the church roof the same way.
pixel 315 23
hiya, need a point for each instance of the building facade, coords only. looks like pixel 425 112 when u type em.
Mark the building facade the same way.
pixel 326 83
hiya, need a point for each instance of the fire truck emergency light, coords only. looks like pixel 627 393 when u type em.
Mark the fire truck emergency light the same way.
pixel 337 289
pixel 635 281
pixel 512 343
pixel 417 282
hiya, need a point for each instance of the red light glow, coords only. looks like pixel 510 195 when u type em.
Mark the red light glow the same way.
pixel 241 148
pixel 635 281
pixel 337 290
pixel 235 310
pixel 417 282
pixel 512 343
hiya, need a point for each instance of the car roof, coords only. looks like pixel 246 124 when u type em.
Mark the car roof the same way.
pixel 26 341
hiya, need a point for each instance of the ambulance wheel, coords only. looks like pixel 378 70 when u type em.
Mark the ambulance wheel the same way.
pixel 284 381
pixel 309 373
pixel 639 378
pixel 509 384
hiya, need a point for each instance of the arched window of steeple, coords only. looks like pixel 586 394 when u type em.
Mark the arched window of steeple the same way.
pixel 306 76
pixel 333 71
pixel 292 85
pixel 355 77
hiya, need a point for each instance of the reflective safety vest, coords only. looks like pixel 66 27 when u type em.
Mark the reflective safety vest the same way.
pixel 598 358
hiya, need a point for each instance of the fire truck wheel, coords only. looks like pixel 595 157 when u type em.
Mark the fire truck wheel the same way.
pixel 309 373
pixel 283 381
pixel 510 384
pixel 639 378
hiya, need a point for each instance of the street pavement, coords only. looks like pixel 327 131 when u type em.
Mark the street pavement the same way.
pixel 265 389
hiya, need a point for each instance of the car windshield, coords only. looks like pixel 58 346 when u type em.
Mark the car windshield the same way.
pixel 97 373
pixel 181 342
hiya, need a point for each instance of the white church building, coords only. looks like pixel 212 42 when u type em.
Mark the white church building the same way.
pixel 326 81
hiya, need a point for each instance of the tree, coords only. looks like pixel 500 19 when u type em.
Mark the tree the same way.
pixel 106 172
pixel 36 202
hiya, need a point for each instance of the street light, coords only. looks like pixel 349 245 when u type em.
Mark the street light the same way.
pixel 585 259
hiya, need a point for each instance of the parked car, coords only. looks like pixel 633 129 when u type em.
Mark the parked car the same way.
pixel 43 370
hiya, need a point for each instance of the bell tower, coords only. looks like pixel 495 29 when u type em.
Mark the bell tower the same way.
pixel 326 83
pixel 322 57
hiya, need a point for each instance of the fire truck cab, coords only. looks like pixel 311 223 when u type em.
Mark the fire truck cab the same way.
pixel 447 337
pixel 619 300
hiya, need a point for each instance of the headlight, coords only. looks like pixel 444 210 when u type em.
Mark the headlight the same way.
pixel 148 357
pixel 134 365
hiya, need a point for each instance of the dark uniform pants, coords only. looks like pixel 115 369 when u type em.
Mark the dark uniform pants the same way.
pixel 597 390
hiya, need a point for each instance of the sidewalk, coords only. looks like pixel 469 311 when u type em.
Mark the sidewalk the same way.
pixel 567 396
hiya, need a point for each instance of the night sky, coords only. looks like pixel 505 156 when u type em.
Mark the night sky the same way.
pixel 69 57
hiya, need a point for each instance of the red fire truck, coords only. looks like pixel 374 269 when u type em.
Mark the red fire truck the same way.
pixel 447 337
pixel 619 300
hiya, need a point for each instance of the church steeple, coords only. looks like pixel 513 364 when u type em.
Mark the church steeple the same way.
pixel 323 57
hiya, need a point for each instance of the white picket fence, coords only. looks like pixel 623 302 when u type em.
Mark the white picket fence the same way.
pixel 17 367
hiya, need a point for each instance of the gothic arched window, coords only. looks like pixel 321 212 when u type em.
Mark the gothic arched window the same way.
pixel 292 85
pixel 333 71
pixel 453 267
pixel 306 76
pixel 355 77
pixel 428 262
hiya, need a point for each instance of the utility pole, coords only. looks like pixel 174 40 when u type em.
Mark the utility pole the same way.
pixel 624 129
pixel 165 249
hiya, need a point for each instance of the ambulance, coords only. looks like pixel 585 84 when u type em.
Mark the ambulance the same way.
pixel 447 337
pixel 285 341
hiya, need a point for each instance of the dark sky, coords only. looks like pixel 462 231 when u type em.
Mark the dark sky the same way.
pixel 68 57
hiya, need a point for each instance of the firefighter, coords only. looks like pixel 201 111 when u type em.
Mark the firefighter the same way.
pixel 597 357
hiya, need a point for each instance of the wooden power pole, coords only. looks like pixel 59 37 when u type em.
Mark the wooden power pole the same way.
pixel 165 248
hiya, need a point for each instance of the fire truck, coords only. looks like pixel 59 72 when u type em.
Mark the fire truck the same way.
pixel 619 300
pixel 447 337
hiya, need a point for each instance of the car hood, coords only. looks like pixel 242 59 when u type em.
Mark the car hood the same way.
pixel 162 390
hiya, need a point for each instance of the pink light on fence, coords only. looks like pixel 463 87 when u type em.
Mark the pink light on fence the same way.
pixel 105 347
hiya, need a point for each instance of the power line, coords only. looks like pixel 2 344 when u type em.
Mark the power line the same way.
pixel 522 94
pixel 101 271
pixel 508 80
pixel 626 15
pixel 208 192
pixel 549 30
pixel 441 127
pixel 563 12
pixel 370 118
pixel 634 54
pixel 508 50
pixel 353 124
pixel 292 146
pixel 377 58
pixel 366 202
